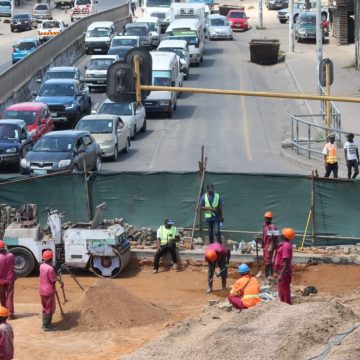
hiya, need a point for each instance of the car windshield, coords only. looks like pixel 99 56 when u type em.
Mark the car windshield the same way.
pixel 99 33
pixel 124 42
pixel 237 15
pixel 136 31
pixel 161 78
pixel 96 126
pixel 150 25
pixel 218 22
pixel 119 51
pixel 5 3
pixel 59 75
pixel 50 24
pixel 190 39
pixel 8 132
pixel 28 116
pixel 57 90
pixel 158 15
pixel 25 46
pixel 100 64
pixel 83 2
pixel 307 19
pixel 40 7
pixel 54 144
pixel 116 109
pixel 158 3
pixel 179 52
pixel 21 16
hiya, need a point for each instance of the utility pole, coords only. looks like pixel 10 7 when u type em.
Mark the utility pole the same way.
pixel 261 23
pixel 291 26
pixel 319 38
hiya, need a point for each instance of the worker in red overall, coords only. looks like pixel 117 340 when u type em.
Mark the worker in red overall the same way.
pixel 217 254
pixel 282 264
pixel 47 290
pixel 269 242
pixel 6 336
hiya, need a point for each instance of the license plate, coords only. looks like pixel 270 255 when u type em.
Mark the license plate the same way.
pixel 148 103
pixel 54 114
pixel 97 49
pixel 101 82
pixel 40 172
pixel 237 25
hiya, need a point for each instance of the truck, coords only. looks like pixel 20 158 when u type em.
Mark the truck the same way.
pixel 159 9
pixel 188 11
pixel 100 247
pixel 82 8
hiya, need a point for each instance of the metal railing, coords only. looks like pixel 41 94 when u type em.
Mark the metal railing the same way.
pixel 335 113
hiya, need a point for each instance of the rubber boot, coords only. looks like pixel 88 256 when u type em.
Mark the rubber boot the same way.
pixel 267 270
pixel 223 283
pixel 47 321
pixel 271 270
pixel 43 321
pixel 209 289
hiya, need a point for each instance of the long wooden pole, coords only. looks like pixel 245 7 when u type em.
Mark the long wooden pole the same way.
pixel 313 232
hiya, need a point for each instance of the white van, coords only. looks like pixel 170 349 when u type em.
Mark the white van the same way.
pixel 98 37
pixel 181 49
pixel 165 72
pixel 154 27
pixel 188 11
pixel 159 9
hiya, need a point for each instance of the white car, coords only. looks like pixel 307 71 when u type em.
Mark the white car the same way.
pixel 50 28
pixel 109 131
pixel 218 27
pixel 96 70
pixel 132 113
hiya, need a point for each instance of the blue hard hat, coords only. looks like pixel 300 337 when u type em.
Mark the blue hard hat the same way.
pixel 243 269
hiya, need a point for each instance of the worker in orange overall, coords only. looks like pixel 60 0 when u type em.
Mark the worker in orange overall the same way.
pixel 245 292
pixel 282 265
pixel 6 336
pixel 269 243
pixel 330 157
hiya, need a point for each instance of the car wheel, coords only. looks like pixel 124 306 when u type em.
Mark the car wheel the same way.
pixel 12 29
pixel 143 129
pixel 175 106
pixel 126 148
pixel 98 164
pixel 116 152
pixel 134 135
pixel 295 18
pixel 88 110
pixel 282 21
pixel 72 19
pixel 298 40
pixel 76 118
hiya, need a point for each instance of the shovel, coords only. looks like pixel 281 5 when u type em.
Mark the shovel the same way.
pixel 58 300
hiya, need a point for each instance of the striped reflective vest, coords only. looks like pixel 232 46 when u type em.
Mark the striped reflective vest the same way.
pixel 215 204
pixel 331 153
pixel 248 289
pixel 167 234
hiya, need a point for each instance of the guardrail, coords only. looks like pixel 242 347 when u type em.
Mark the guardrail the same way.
pixel 335 120
pixel 26 70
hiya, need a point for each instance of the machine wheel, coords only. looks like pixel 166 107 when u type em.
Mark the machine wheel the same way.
pixel 105 262
pixel 143 129
pixel 24 261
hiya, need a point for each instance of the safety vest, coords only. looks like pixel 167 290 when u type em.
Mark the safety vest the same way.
pixel 330 153
pixel 248 289
pixel 167 234
pixel 215 204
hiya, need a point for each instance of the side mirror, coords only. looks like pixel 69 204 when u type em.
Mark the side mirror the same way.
pixel 81 150
pixel 38 81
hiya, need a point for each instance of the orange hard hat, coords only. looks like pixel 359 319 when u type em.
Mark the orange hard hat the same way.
pixel 2 245
pixel 268 214
pixel 288 233
pixel 211 255
pixel 4 312
pixel 47 255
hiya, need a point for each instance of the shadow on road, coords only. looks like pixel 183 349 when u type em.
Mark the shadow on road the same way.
pixel 212 51
pixel 207 62
pixel 186 111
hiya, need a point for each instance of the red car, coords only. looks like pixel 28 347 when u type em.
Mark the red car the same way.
pixel 36 115
pixel 238 20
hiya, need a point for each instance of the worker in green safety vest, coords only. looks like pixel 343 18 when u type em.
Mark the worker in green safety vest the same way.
pixel 211 206
pixel 167 236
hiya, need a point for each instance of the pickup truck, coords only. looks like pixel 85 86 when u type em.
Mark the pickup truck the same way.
pixel 50 28
pixel 82 8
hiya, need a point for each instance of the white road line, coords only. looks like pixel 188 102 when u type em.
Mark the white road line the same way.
pixel 157 148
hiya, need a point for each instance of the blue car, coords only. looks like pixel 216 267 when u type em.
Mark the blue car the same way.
pixel 5 8
pixel 23 47
pixel 68 100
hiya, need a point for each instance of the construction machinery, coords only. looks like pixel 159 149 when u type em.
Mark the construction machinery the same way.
pixel 100 247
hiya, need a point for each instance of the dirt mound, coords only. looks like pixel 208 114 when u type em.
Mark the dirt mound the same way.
pixel 106 305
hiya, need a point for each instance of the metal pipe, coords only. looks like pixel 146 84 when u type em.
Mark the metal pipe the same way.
pixel 309 136
pixel 291 26
pixel 319 39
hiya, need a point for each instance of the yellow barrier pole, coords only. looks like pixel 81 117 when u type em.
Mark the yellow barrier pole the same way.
pixel 305 232
pixel 137 72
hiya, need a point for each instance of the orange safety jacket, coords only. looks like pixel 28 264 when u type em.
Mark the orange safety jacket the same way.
pixel 330 153
pixel 249 295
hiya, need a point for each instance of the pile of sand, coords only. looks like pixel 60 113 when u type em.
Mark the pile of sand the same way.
pixel 106 305
pixel 268 331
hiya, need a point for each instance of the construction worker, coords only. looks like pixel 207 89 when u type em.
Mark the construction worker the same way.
pixel 351 152
pixel 269 242
pixel 47 290
pixel 217 254
pixel 167 236
pixel 330 158
pixel 6 336
pixel 282 264
pixel 245 292
pixel 211 205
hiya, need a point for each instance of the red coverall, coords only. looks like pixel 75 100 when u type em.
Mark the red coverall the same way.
pixel 9 279
pixel 268 245
pixel 6 342
pixel 48 279
pixel 2 278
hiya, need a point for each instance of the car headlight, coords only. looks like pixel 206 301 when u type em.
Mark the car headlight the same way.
pixel 11 150
pixel 302 31
pixel 63 163
pixel 69 106
pixel 164 102
pixel 23 163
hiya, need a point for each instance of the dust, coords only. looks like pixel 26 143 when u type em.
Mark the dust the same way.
pixel 106 305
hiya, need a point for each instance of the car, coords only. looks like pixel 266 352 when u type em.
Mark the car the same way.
pixel 68 100
pixel 238 20
pixel 109 131
pixel 120 51
pixel 42 11
pixel 305 27
pixel 15 142
pixel 141 30
pixel 276 4
pixel 66 150
pixel 132 113
pixel 218 27
pixel 283 15
pixel 5 8
pixel 62 72
pixel 36 115
pixel 121 40
pixel 22 48
pixel 22 22
pixel 49 29
pixel 98 37
pixel 154 27
pixel 96 70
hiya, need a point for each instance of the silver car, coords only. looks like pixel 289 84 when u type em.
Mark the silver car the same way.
pixel 218 27
pixel 42 12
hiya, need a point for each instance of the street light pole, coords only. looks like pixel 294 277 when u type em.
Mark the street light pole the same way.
pixel 261 24
pixel 319 37
pixel 291 26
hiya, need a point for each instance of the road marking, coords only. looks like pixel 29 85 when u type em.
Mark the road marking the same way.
pixel 157 149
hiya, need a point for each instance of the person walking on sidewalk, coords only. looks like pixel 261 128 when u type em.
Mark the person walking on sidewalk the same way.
pixel 245 292
pixel 217 254
pixel 269 242
pixel 133 7
pixel 6 336
pixel 330 158
pixel 167 236
pixel 211 205
pixel 282 264
pixel 351 156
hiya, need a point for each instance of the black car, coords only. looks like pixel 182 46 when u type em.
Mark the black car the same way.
pixel 22 22
pixel 141 30
pixel 61 72
pixel 62 151
pixel 120 51
pixel 15 142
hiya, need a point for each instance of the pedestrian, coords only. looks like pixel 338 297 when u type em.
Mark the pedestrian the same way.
pixel 245 292
pixel 133 7
pixel 47 290
pixel 211 205
pixel 7 279
pixel 282 264
pixel 269 242
pixel 6 336
pixel 351 156
pixel 167 236
pixel 330 158
pixel 217 254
